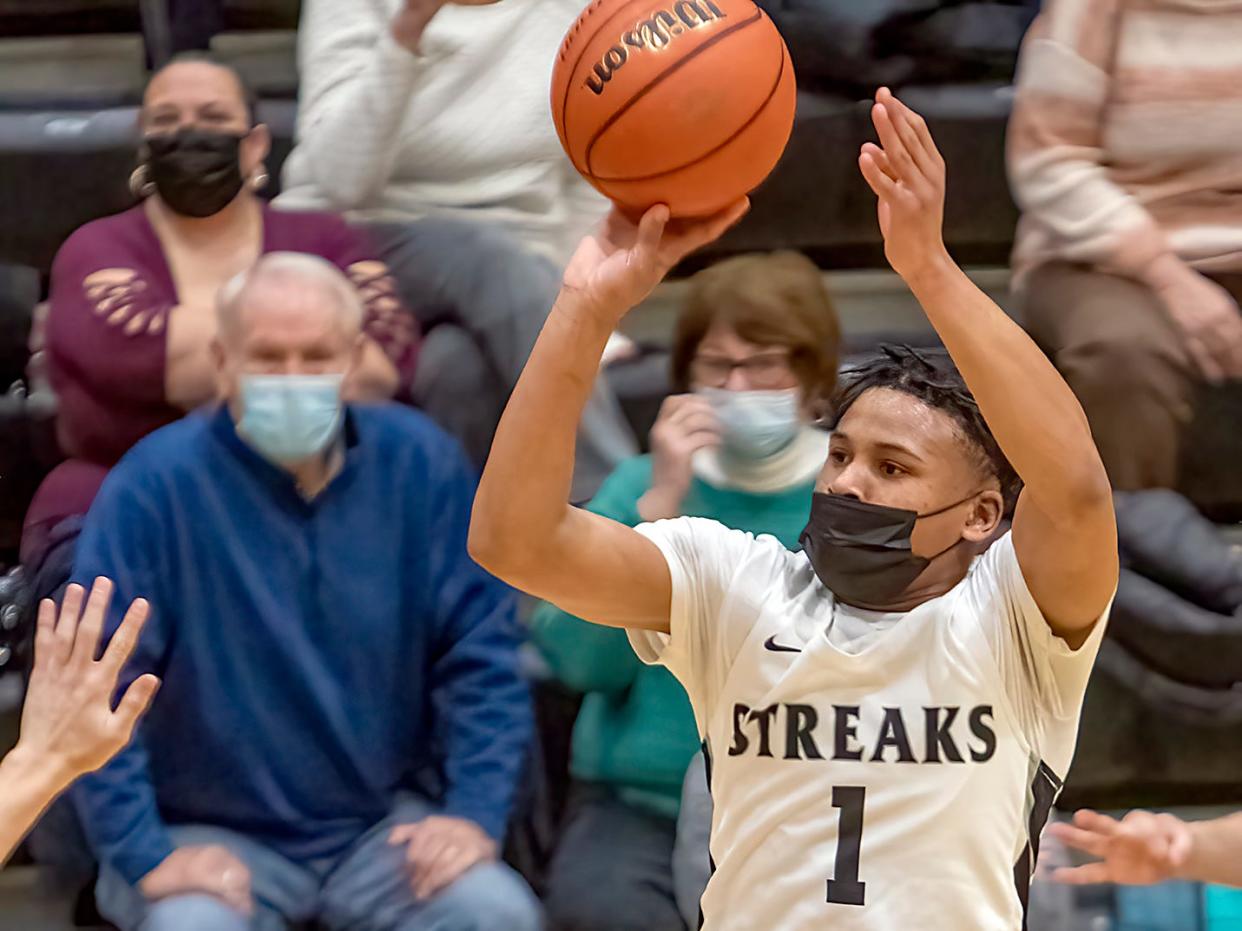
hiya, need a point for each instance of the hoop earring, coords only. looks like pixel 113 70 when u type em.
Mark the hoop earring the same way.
pixel 140 183
pixel 258 180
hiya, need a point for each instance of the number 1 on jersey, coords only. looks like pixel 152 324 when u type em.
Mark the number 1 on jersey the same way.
pixel 844 888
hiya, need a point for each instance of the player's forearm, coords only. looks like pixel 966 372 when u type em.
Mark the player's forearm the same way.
pixel 1216 851
pixel 1031 411
pixel 523 497
pixel 27 786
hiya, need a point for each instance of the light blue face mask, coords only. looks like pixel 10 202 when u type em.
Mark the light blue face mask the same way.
pixel 290 418
pixel 755 424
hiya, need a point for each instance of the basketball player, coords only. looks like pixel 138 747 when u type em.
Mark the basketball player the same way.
pixel 887 715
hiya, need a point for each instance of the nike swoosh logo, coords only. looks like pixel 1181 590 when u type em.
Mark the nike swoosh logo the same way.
pixel 771 644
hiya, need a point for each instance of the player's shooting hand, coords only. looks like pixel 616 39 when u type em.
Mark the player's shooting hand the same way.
pixel 1140 849
pixel 618 265
pixel 906 173
pixel 439 849
pixel 68 722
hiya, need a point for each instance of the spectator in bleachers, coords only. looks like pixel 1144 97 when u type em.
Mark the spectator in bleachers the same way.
pixel 1125 154
pixel 430 121
pixel 132 295
pixel 755 359
pixel 342 723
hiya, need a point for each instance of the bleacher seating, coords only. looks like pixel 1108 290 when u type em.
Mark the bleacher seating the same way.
pixel 814 201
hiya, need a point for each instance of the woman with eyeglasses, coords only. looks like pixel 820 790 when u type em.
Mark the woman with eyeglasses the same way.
pixel 754 361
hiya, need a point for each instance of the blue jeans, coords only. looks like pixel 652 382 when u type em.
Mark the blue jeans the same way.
pixel 365 889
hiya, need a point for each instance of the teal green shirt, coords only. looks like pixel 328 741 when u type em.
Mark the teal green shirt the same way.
pixel 636 730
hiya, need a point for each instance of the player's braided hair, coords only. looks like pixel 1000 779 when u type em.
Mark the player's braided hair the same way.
pixel 930 376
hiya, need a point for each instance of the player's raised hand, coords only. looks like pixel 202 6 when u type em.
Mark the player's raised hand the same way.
pixel 906 173
pixel 1140 849
pixel 618 265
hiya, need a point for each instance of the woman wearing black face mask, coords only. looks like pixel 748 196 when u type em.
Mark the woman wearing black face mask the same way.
pixel 889 715
pixel 200 173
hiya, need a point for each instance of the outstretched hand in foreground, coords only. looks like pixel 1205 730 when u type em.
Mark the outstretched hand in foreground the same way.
pixel 69 725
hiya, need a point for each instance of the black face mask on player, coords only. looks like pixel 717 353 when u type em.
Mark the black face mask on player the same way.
pixel 197 173
pixel 860 551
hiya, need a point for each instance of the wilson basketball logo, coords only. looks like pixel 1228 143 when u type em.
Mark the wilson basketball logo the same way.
pixel 652 34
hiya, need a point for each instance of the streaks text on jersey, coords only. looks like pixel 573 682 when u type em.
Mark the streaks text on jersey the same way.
pixel 798 729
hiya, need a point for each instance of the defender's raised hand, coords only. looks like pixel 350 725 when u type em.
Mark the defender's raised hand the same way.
pixel 1140 849
pixel 68 720
pixel 906 173
pixel 69 726
pixel 618 265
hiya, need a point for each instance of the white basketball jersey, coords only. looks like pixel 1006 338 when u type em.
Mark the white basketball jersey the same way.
pixel 868 771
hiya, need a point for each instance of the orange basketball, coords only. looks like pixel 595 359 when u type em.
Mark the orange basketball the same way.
pixel 682 102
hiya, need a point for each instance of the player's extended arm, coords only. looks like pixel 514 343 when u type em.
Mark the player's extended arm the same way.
pixel 1145 848
pixel 522 528
pixel 1064 530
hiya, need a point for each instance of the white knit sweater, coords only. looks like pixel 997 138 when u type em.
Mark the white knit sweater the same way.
pixel 461 128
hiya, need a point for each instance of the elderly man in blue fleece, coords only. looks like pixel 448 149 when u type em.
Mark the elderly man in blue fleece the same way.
pixel 342 722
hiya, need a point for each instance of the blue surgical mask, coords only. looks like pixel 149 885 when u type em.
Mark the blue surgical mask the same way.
pixel 290 418
pixel 755 424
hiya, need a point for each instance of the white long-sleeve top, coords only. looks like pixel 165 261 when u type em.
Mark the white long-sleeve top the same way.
pixel 463 127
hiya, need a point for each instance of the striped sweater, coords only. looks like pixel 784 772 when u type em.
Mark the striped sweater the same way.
pixel 1126 137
